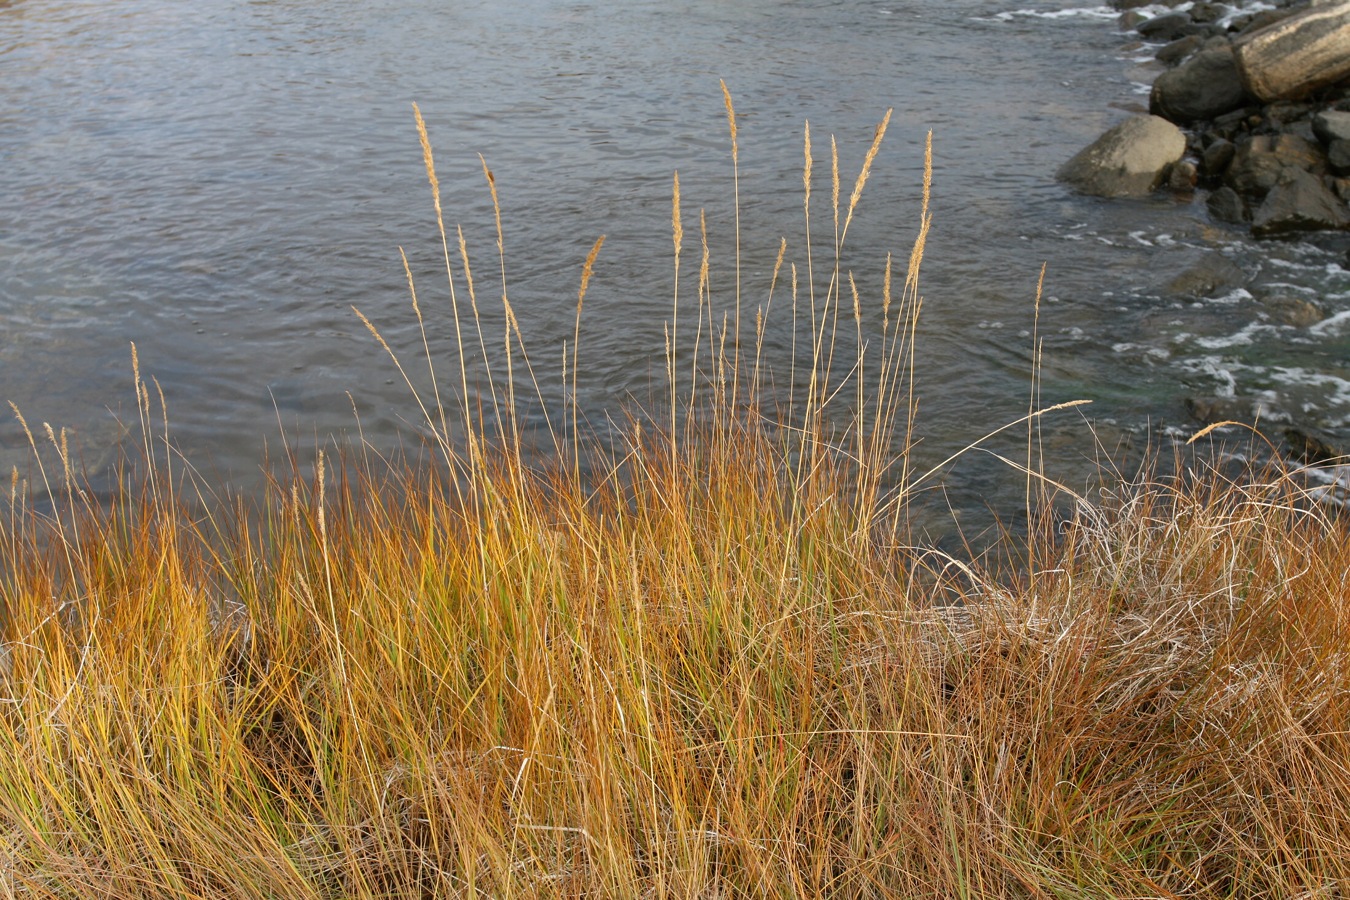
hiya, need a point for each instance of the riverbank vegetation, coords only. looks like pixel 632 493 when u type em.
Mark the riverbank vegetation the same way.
pixel 703 656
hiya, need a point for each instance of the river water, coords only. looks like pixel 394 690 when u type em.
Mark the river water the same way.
pixel 220 182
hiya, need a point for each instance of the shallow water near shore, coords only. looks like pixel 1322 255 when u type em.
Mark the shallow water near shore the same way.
pixel 221 183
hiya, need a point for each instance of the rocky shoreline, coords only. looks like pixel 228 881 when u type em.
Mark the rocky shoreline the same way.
pixel 1253 111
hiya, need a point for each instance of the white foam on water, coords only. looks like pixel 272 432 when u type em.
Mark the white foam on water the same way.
pixel 1293 288
pixel 1076 12
pixel 1334 388
pixel 1217 368
pixel 1331 325
pixel 1146 351
pixel 1237 339
pixel 1236 295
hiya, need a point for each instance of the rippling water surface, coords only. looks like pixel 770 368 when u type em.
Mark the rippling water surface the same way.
pixel 220 182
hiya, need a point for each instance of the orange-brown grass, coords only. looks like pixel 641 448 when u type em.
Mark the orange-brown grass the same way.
pixel 701 660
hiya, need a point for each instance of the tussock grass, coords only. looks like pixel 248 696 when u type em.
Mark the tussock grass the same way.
pixel 702 659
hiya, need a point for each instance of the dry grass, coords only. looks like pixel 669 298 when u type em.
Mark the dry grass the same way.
pixel 703 663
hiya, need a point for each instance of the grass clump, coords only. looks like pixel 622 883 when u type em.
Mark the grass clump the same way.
pixel 701 658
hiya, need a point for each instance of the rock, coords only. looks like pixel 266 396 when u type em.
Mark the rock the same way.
pixel 1204 86
pixel 1230 125
pixel 1216 159
pixel 1207 277
pixel 1283 113
pixel 1253 22
pixel 1205 13
pixel 1129 160
pixel 1338 157
pixel 1258 162
pixel 1310 447
pixel 1299 201
pixel 1332 125
pixel 1298 54
pixel 1167 27
pixel 1226 205
pixel 1182 177
pixel 1176 51
pixel 1293 311
pixel 1212 410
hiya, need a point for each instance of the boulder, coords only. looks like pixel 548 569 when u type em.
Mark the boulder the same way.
pixel 1298 54
pixel 1310 447
pixel 1176 51
pixel 1332 125
pixel 1299 201
pixel 1202 87
pixel 1167 27
pixel 1226 205
pixel 1216 159
pixel 1183 176
pixel 1212 274
pixel 1338 157
pixel 1258 162
pixel 1206 13
pixel 1295 312
pixel 1213 410
pixel 1129 160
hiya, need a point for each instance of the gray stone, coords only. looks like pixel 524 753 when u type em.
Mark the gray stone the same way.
pixel 1226 205
pixel 1212 274
pixel 1216 159
pixel 1338 157
pixel 1167 27
pixel 1299 202
pixel 1312 447
pixel 1258 162
pixel 1205 12
pixel 1204 86
pixel 1332 125
pixel 1176 51
pixel 1182 176
pixel 1211 410
pixel 1129 160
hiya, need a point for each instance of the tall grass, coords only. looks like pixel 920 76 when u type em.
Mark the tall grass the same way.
pixel 702 660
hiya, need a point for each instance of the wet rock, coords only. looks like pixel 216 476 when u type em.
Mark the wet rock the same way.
pixel 1253 22
pixel 1205 13
pixel 1182 177
pixel 1284 113
pixel 1258 162
pixel 1176 51
pixel 1311 447
pixel 1217 157
pixel 1298 202
pixel 1213 410
pixel 1293 311
pixel 1338 157
pixel 1167 27
pixel 1226 205
pixel 1202 87
pixel 1129 160
pixel 1209 276
pixel 1332 125
pixel 1230 125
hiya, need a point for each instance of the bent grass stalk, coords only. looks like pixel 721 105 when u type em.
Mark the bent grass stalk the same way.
pixel 712 667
